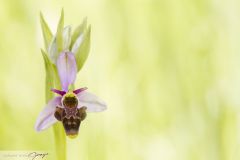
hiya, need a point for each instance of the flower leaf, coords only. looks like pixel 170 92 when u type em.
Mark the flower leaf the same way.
pixel 52 50
pixel 57 83
pixel 47 34
pixel 83 48
pixel 59 36
pixel 78 31
pixel 66 37
pixel 49 81
pixel 52 78
pixel 77 43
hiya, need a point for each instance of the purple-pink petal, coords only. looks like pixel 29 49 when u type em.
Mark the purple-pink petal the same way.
pixel 67 69
pixel 58 91
pixel 46 117
pixel 77 91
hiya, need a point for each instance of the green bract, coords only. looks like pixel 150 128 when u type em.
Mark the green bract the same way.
pixel 47 34
pixel 81 47
pixel 77 42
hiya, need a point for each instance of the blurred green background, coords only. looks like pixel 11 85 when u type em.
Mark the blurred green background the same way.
pixel 168 70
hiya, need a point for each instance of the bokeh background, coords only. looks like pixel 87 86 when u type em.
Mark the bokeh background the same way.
pixel 169 71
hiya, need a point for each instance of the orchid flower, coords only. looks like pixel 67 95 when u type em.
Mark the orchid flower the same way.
pixel 64 54
pixel 70 106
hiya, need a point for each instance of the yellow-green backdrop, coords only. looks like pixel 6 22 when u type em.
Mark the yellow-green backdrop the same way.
pixel 169 71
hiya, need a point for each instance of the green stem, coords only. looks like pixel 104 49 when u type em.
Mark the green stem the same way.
pixel 60 141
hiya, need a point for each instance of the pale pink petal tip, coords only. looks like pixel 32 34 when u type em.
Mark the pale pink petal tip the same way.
pixel 91 101
pixel 46 117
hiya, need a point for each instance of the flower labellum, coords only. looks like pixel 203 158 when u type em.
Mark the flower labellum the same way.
pixel 70 115
pixel 71 106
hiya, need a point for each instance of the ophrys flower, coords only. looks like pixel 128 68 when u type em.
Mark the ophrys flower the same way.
pixel 70 106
